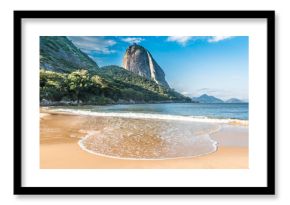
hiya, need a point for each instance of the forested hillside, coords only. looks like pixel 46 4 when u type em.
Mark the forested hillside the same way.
pixel 69 76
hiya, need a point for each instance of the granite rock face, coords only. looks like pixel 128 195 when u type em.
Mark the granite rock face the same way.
pixel 138 60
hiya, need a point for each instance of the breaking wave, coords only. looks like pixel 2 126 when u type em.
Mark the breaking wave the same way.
pixel 154 116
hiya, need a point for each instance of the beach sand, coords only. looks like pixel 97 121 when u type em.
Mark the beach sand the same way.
pixel 59 149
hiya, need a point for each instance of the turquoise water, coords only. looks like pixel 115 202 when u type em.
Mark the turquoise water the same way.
pixel 213 111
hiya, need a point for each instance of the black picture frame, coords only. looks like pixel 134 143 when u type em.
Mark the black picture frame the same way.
pixel 268 190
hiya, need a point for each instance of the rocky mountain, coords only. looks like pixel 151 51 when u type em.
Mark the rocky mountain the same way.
pixel 58 53
pixel 207 99
pixel 138 60
pixel 234 100
pixel 211 99
pixel 67 75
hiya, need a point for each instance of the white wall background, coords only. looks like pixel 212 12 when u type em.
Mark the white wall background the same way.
pixel 282 98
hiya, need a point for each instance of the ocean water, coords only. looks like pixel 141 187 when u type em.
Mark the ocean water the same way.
pixel 238 111
pixel 155 131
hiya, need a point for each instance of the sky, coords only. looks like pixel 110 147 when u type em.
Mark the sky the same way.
pixel 193 65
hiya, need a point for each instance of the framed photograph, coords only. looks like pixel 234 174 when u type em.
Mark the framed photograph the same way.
pixel 144 102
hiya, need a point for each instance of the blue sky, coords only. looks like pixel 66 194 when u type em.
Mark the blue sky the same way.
pixel 193 65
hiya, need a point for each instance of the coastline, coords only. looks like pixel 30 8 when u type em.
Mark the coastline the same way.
pixel 124 102
pixel 59 148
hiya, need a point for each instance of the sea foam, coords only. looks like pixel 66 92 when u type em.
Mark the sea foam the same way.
pixel 149 139
pixel 154 116
pixel 148 136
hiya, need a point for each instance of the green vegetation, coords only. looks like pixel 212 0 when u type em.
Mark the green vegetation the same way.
pixel 52 85
pixel 112 85
pixel 59 54
pixel 139 88
pixel 67 75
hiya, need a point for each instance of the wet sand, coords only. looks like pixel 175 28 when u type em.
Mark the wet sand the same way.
pixel 59 149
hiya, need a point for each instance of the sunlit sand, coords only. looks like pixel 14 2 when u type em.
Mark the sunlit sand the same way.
pixel 79 141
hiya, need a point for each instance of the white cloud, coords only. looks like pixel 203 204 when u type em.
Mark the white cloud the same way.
pixel 185 93
pixel 132 40
pixel 93 44
pixel 183 40
pixel 179 39
pixel 214 39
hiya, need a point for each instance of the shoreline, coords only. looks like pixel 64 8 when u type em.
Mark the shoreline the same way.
pixel 57 103
pixel 59 148
pixel 142 159
pixel 74 104
pixel 129 115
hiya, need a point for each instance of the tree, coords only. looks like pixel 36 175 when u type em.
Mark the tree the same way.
pixel 52 85
pixel 78 82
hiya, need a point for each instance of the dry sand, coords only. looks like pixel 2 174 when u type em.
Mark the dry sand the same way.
pixel 59 149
